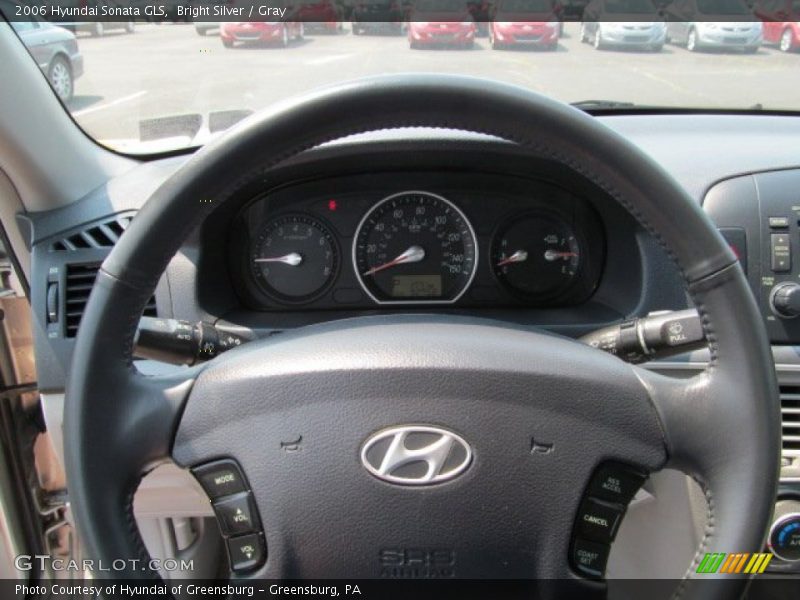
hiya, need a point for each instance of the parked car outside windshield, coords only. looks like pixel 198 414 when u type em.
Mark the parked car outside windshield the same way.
pixel 166 88
pixel 55 50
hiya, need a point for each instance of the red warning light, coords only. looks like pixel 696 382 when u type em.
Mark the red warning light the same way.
pixel 332 205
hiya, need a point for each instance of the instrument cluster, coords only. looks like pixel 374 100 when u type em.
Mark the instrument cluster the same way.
pixel 347 242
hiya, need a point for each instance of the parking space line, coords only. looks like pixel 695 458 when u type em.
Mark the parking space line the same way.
pixel 674 86
pixel 91 109
pixel 322 60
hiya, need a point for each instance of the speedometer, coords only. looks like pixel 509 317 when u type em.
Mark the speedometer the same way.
pixel 415 247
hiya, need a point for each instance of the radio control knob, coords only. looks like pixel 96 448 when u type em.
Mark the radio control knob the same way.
pixel 785 300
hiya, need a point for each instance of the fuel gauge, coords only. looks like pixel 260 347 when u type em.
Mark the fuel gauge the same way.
pixel 536 256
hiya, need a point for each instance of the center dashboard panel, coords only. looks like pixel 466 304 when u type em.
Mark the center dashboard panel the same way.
pixel 417 239
pixel 759 216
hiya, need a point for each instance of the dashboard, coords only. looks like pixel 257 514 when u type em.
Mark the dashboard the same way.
pixel 477 230
pixel 418 239
pixel 448 222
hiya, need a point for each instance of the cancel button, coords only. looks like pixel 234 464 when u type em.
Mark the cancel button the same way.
pixel 598 520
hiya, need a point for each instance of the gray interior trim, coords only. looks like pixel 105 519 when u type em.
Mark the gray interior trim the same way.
pixel 700 150
pixel 35 133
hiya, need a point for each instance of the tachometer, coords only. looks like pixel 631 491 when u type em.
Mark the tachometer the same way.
pixel 294 258
pixel 415 247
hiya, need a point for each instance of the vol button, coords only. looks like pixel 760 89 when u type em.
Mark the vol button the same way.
pixel 237 514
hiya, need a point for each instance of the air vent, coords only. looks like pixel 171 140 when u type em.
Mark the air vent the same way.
pixel 790 417
pixel 102 235
pixel 80 279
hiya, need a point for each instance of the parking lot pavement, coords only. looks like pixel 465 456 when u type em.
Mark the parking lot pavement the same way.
pixel 168 69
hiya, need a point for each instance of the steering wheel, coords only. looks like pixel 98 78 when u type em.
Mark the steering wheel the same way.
pixel 507 511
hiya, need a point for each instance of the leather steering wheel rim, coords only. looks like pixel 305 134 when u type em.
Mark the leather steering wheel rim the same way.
pixel 721 427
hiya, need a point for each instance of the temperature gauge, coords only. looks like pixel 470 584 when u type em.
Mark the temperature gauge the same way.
pixel 536 256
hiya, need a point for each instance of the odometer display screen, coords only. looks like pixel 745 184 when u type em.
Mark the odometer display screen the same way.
pixel 415 247
pixel 417 286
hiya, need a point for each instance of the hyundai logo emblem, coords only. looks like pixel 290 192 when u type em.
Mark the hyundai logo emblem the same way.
pixel 415 455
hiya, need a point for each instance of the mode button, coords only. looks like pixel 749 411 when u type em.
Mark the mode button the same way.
pixel 220 478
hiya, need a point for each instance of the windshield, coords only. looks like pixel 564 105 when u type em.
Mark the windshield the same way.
pixel 149 86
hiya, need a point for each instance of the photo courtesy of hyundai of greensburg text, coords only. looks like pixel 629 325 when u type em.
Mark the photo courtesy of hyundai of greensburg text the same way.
pixel 400 299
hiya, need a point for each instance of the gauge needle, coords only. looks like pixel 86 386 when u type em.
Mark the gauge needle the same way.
pixel 518 256
pixel 551 255
pixel 292 259
pixel 412 255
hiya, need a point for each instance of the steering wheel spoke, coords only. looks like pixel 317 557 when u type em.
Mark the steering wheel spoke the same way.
pixel 715 431
pixel 124 422
pixel 332 415
pixel 159 400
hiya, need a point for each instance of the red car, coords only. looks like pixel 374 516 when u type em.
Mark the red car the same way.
pixel 524 22
pixel 264 32
pixel 320 15
pixel 781 22
pixel 440 23
pixel 785 34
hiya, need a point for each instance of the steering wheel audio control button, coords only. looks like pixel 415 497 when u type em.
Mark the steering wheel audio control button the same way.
pixel 220 478
pixel 616 483
pixel 246 552
pixel 237 514
pixel 598 520
pixel 589 558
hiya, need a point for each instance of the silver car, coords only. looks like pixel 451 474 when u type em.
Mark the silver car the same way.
pixel 623 23
pixel 55 50
pixel 713 24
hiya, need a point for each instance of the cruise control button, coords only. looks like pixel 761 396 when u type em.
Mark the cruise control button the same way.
pixel 589 558
pixel 246 552
pixel 220 478
pixel 615 483
pixel 598 521
pixel 237 514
